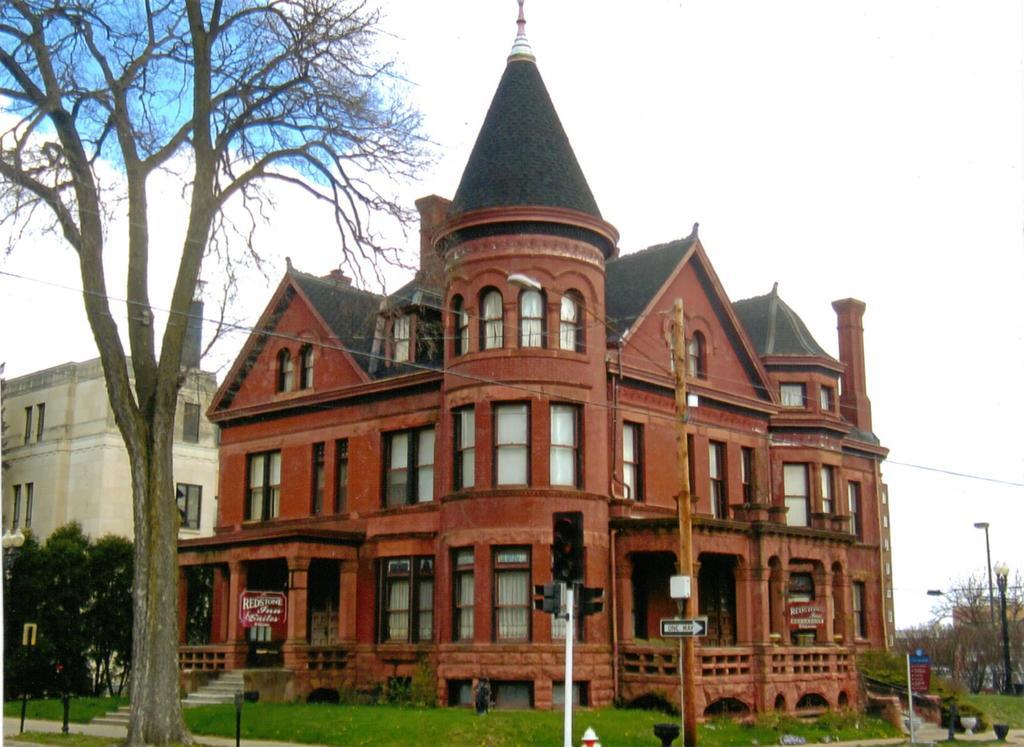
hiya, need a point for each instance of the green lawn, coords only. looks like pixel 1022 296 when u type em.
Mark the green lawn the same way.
pixel 382 726
pixel 82 711
pixel 1000 709
pixel 394 725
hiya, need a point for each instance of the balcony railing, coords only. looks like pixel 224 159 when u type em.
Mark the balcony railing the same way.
pixel 722 663
pixel 202 658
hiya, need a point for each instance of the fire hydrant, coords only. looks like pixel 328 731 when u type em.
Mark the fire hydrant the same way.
pixel 590 738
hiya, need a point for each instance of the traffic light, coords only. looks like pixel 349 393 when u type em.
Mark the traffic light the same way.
pixel 548 598
pixel 593 600
pixel 567 548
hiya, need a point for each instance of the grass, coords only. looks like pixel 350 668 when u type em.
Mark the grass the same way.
pixel 82 710
pixel 62 740
pixel 383 726
pixel 1000 709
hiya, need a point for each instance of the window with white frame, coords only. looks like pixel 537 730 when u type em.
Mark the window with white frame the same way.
pixel 264 486
pixel 409 476
pixel 860 619
pixel 565 445
pixel 406 600
pixel 512 594
pixel 461 326
pixel 492 321
pixel 794 479
pixel 285 371
pixel 853 503
pixel 828 398
pixel 400 339
pixel 531 319
pixel 465 448
pixel 632 461
pixel 306 367
pixel 190 501
pixel 747 473
pixel 792 395
pixel 463 591
pixel 319 481
pixel 570 326
pixel 828 489
pixel 512 444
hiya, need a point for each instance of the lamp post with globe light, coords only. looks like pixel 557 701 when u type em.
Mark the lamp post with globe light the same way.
pixel 12 542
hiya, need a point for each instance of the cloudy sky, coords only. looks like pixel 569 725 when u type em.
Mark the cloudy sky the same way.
pixel 870 149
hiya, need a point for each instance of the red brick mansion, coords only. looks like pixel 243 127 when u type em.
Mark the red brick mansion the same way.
pixel 389 466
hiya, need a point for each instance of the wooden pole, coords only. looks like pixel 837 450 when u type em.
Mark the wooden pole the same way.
pixel 689 687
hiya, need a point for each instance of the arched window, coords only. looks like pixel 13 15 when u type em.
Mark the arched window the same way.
pixel 531 319
pixel 570 333
pixel 306 367
pixel 696 356
pixel 285 371
pixel 491 321
pixel 461 326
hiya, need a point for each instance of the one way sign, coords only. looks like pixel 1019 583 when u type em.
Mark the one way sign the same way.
pixel 681 627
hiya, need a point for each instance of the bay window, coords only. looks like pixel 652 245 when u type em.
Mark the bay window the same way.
pixel 632 461
pixel 409 476
pixel 512 594
pixel 531 319
pixel 465 448
pixel 406 599
pixel 794 479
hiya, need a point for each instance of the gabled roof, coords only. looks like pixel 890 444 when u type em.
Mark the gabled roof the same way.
pixel 632 280
pixel 775 328
pixel 522 155
pixel 349 313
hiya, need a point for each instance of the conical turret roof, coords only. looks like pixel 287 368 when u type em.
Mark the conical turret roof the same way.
pixel 522 156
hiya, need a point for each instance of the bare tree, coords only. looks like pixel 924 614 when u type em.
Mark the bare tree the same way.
pixel 965 638
pixel 233 94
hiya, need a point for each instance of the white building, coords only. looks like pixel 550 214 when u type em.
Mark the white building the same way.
pixel 67 462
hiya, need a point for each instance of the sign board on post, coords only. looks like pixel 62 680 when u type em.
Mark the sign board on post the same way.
pixel 262 608
pixel 682 627
pixel 920 672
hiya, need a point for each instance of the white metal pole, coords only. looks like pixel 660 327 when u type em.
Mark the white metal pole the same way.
pixel 910 701
pixel 567 688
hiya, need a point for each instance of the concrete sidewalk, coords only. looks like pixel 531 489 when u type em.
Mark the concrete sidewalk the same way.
pixel 117 733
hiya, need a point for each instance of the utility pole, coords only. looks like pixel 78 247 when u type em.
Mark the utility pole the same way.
pixel 686 665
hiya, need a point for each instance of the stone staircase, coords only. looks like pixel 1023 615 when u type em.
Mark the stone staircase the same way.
pixel 220 690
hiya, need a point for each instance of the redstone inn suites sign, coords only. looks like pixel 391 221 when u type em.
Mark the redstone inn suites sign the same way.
pixel 262 608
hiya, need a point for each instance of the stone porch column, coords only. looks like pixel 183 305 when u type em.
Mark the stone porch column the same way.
pixel 624 597
pixel 348 576
pixel 749 625
pixel 297 638
pixel 237 572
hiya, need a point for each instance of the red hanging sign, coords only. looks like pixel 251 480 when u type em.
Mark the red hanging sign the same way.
pixel 262 608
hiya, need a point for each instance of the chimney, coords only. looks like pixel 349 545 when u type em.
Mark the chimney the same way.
pixel 854 403
pixel 338 276
pixel 433 212
pixel 192 346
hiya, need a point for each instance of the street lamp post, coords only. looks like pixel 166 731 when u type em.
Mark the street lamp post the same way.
pixel 12 542
pixel 1002 572
pixel 988 565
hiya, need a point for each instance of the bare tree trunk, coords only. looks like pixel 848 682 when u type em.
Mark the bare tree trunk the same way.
pixel 155 707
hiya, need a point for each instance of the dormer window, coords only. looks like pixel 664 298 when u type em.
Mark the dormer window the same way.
pixel 531 319
pixel 792 395
pixel 306 367
pixel 461 326
pixel 570 333
pixel 285 371
pixel 400 339
pixel 696 357
pixel 491 321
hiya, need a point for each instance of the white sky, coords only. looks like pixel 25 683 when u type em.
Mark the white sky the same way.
pixel 870 149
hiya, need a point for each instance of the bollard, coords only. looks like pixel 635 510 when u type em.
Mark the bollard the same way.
pixel 666 733
pixel 952 722
pixel 24 705
pixel 66 700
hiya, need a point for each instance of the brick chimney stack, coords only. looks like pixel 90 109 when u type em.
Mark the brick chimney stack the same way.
pixel 433 212
pixel 854 403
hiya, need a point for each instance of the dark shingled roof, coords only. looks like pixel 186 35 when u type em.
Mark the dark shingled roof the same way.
pixel 350 313
pixel 632 280
pixel 774 328
pixel 522 155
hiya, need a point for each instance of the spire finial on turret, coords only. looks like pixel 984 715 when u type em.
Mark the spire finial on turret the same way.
pixel 521 48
